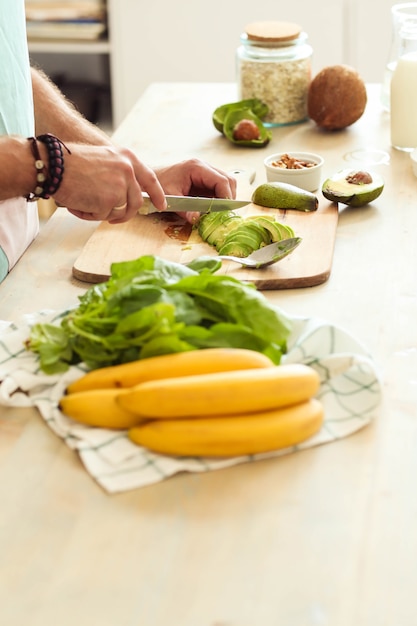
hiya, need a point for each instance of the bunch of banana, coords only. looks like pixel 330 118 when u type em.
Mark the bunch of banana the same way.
pixel 170 365
pixel 213 402
pixel 92 399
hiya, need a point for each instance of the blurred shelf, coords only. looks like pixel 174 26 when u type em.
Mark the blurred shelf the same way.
pixel 49 46
pixel 83 55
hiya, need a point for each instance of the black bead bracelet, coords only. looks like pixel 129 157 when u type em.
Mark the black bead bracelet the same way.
pixel 55 163
pixel 48 185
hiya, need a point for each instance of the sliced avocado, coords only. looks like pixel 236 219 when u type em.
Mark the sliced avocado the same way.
pixel 259 108
pixel 286 231
pixel 211 222
pixel 354 188
pixel 235 117
pixel 247 234
pixel 284 196
pixel 258 230
pixel 239 249
pixel 276 230
pixel 231 234
pixel 227 227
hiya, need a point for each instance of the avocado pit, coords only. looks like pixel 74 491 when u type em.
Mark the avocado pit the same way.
pixel 359 178
pixel 246 129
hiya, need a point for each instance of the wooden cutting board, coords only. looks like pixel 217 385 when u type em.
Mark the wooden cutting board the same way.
pixel 170 237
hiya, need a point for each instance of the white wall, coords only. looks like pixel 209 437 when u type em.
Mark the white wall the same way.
pixel 195 40
pixel 368 38
pixel 192 40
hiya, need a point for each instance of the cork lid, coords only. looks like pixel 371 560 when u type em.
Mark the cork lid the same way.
pixel 272 31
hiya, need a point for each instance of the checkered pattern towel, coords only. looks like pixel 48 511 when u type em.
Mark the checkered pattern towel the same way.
pixel 350 391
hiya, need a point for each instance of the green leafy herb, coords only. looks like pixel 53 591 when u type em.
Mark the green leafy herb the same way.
pixel 150 307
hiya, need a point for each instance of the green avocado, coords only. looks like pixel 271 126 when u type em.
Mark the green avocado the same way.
pixel 231 234
pixel 231 124
pixel 248 235
pixel 277 231
pixel 284 196
pixel 259 108
pixel 239 249
pixel 354 188
pixel 214 227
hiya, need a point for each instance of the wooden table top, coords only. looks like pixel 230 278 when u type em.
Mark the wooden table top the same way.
pixel 327 536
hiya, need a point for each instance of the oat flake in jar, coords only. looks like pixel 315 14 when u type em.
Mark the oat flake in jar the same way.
pixel 274 65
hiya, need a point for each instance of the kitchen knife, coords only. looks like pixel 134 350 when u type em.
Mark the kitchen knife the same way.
pixel 179 204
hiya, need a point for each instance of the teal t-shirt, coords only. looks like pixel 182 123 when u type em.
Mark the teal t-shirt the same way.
pixel 16 98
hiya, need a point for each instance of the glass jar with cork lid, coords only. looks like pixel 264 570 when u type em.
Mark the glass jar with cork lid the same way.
pixel 274 65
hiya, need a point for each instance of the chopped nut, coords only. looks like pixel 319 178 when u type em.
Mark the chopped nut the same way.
pixel 292 163
pixel 359 178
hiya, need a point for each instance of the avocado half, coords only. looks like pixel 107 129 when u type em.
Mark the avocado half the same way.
pixel 227 116
pixel 259 108
pixel 233 118
pixel 353 187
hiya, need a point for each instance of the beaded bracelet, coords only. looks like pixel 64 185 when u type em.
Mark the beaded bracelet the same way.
pixel 40 172
pixel 55 163
pixel 48 179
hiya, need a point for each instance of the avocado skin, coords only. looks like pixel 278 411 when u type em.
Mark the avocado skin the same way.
pixel 284 196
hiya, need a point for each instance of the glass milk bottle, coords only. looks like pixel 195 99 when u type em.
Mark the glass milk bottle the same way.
pixel 404 14
pixel 404 94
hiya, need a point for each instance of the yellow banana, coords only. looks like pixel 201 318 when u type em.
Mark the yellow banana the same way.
pixel 225 393
pixel 231 436
pixel 98 407
pixel 169 365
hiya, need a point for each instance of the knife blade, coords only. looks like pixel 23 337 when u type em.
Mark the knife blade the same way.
pixel 179 204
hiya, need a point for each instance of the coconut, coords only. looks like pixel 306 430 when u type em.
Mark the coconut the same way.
pixel 336 97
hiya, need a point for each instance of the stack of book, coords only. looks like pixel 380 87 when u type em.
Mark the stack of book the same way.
pixel 67 19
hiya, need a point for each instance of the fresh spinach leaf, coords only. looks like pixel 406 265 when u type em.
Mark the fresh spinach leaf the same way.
pixel 150 307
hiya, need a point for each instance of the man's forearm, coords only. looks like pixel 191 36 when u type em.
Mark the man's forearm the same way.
pixel 54 114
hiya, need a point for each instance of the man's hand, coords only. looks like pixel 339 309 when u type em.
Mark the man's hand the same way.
pixel 196 178
pixel 106 183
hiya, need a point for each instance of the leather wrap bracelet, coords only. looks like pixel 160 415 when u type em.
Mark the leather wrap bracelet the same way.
pixel 41 172
pixel 48 184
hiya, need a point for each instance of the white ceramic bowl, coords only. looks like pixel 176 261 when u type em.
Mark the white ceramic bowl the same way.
pixel 413 158
pixel 308 178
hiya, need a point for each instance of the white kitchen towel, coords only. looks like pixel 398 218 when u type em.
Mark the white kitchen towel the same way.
pixel 350 391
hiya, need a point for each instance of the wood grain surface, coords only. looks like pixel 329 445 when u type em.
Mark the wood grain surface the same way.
pixel 170 237
pixel 323 537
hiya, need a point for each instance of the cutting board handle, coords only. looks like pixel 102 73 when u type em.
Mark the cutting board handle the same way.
pixel 247 176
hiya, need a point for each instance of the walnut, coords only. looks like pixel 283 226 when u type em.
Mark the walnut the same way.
pixel 292 163
pixel 359 178
pixel 246 130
